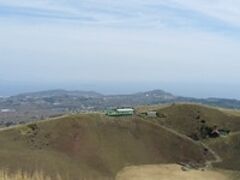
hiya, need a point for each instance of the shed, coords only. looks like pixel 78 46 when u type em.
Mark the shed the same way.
pixel 152 114
pixel 120 112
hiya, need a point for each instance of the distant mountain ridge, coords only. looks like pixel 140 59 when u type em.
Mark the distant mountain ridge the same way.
pixel 148 97
pixel 43 104
pixel 60 92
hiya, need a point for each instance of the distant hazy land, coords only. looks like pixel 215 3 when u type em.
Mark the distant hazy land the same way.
pixel 188 89
pixel 27 107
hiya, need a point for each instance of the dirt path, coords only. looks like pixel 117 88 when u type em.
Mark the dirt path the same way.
pixel 217 158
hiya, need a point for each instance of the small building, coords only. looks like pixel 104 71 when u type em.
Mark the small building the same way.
pixel 120 112
pixel 219 132
pixel 7 110
pixel 152 114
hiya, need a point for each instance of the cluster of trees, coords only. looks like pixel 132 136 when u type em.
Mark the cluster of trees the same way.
pixel 206 131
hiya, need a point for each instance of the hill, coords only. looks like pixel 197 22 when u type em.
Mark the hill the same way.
pixel 30 107
pixel 57 93
pixel 93 146
pixel 228 148
pixel 189 118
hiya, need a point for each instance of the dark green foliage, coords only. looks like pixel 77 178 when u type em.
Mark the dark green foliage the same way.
pixel 161 115
pixel 205 131
pixel 33 126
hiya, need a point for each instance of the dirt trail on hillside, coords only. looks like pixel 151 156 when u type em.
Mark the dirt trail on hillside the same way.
pixel 217 158
pixel 167 172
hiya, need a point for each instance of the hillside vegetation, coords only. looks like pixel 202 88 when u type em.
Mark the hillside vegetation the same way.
pixel 20 175
pixel 189 118
pixel 92 146
pixel 97 147
pixel 228 148
pixel 29 107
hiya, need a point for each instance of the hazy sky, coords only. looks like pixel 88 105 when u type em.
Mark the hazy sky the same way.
pixel 169 44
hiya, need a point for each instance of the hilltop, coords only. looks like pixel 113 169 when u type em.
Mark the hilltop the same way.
pixel 93 146
pixel 189 118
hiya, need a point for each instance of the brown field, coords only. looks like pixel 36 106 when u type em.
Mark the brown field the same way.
pixel 92 146
pixel 186 118
pixel 171 172
pixel 97 147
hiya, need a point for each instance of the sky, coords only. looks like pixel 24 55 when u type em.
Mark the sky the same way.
pixel 188 47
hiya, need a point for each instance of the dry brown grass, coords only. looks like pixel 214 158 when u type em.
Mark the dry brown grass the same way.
pixel 231 112
pixel 92 146
pixel 169 172
pixel 20 175
pixel 187 118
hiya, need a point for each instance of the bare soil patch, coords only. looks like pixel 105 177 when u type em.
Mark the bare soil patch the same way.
pixel 167 172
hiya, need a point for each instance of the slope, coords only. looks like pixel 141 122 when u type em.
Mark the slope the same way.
pixel 188 118
pixel 228 148
pixel 92 146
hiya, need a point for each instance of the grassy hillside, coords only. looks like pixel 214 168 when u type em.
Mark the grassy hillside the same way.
pixel 20 175
pixel 228 148
pixel 91 146
pixel 188 118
